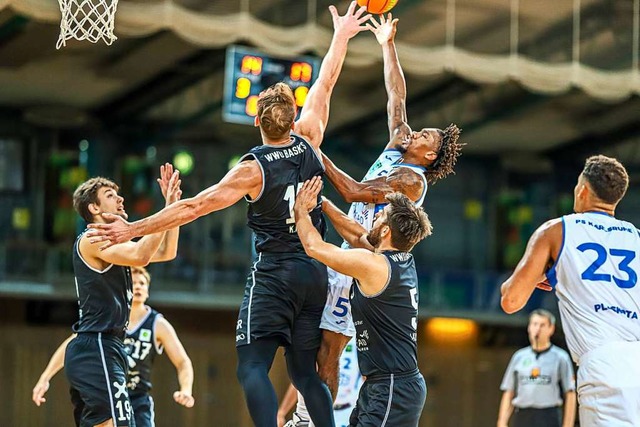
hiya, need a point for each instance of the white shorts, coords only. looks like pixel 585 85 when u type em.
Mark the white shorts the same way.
pixel 609 386
pixel 337 311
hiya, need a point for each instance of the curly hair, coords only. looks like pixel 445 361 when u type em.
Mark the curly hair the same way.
pixel 608 178
pixel 276 111
pixel 450 150
pixel 408 223
pixel 87 193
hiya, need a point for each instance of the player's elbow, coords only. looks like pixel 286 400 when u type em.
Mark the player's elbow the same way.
pixel 140 260
pixel 509 304
pixel 310 250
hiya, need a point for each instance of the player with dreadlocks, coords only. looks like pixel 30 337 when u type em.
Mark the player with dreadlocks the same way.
pixel 411 161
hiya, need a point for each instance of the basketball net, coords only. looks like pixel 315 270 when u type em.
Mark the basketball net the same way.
pixel 90 20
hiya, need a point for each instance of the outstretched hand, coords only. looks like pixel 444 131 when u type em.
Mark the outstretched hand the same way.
pixel 307 198
pixel 169 183
pixel 118 230
pixel 351 22
pixel 385 30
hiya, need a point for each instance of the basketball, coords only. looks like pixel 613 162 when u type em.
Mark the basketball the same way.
pixel 378 6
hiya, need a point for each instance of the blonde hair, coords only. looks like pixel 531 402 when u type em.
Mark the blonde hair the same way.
pixel 144 272
pixel 276 111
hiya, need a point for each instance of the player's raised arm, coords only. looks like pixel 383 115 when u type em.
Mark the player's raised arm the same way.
pixel 370 269
pixel 315 114
pixel 542 249
pixel 402 180
pixel 243 179
pixel 169 183
pixel 348 228
pixel 394 81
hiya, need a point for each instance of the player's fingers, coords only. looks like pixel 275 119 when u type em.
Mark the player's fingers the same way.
pixel 395 22
pixel 106 246
pixel 370 28
pixel 364 19
pixel 373 22
pixel 352 7
pixel 360 12
pixel 333 12
pixel 109 216
pixel 316 185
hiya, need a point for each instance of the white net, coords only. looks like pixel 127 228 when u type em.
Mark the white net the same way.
pixel 91 20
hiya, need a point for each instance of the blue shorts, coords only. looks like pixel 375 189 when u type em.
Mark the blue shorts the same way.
pixel 284 298
pixel 143 408
pixel 95 365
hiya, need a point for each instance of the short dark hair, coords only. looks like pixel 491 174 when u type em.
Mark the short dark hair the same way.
pixel 276 111
pixel 607 177
pixel 448 153
pixel 408 223
pixel 87 193
pixel 543 313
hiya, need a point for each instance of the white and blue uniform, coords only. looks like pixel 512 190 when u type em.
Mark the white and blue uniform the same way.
pixel 337 312
pixel 595 278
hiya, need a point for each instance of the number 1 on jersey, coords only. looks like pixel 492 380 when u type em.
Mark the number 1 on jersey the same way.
pixel 290 196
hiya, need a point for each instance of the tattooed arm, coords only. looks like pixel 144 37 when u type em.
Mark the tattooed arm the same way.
pixel 403 180
pixel 394 81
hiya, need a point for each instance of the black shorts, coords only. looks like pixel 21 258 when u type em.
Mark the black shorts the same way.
pixel 391 400
pixel 143 408
pixel 284 298
pixel 95 365
pixel 533 417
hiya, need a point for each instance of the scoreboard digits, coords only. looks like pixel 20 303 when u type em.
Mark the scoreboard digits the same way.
pixel 249 72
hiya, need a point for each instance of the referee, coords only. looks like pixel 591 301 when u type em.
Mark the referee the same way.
pixel 538 380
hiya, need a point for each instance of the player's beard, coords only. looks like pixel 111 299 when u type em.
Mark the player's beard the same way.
pixel 374 236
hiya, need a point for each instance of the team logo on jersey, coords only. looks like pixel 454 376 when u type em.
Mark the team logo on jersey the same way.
pixel 145 335
pixel 535 372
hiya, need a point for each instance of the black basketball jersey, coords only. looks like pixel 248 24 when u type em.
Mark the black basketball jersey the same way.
pixel 386 323
pixel 284 169
pixel 141 349
pixel 104 297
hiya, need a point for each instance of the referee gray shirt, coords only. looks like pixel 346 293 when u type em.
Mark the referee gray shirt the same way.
pixel 539 379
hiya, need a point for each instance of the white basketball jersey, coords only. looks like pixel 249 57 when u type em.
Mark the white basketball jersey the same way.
pixel 350 378
pixel 388 161
pixel 596 277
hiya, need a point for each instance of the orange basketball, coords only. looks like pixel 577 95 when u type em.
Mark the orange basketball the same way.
pixel 378 6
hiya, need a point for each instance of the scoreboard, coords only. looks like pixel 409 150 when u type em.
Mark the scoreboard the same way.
pixel 249 72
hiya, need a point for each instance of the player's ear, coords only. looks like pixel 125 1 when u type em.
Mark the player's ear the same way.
pixel 293 126
pixel 93 208
pixel 256 121
pixel 584 190
pixel 431 156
